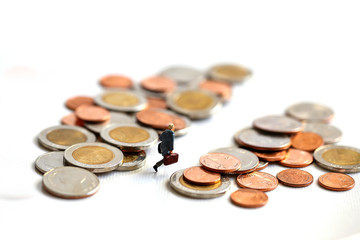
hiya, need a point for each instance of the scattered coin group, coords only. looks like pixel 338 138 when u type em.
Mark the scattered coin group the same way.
pixel 113 130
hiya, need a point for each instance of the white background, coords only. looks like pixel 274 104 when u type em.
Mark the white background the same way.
pixel 298 51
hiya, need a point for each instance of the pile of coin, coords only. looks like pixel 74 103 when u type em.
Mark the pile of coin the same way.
pixel 293 140
pixel 113 130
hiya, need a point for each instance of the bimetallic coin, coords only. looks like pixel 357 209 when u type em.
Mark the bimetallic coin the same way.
pixel 132 161
pixel 48 161
pixel 295 178
pixel 329 133
pixel 306 141
pixel 297 158
pixel 129 137
pixel 184 76
pixel 249 198
pixel 195 103
pixel 310 112
pixel 278 124
pixel 197 191
pixel 70 182
pixel 199 176
pixel 338 158
pixel 219 162
pixel 258 180
pixel 122 101
pixel 336 181
pixel 230 73
pixel 115 117
pixel 95 157
pixel 261 140
pixel 62 136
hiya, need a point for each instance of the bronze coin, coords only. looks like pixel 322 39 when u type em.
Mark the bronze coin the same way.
pixel 74 102
pixel 258 180
pixel 156 103
pixel 249 198
pixel 116 81
pixel 271 156
pixel 160 119
pixel 295 178
pixel 159 84
pixel 72 120
pixel 200 176
pixel 336 181
pixel 220 162
pixel 307 141
pixel 92 113
pixel 297 158
pixel 221 89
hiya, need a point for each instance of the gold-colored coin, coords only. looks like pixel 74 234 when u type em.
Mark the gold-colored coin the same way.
pixel 66 137
pixel 121 99
pixel 129 134
pixel 130 158
pixel 199 187
pixel 93 155
pixel 341 156
pixel 194 100
pixel 231 71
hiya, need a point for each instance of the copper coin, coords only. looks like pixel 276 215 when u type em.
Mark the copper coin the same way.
pixel 116 81
pixel 249 198
pixel 72 120
pixel 221 89
pixel 156 103
pixel 336 181
pixel 297 158
pixel 307 141
pixel 74 102
pixel 159 84
pixel 258 180
pixel 160 119
pixel 220 162
pixel 199 176
pixel 271 156
pixel 295 178
pixel 92 113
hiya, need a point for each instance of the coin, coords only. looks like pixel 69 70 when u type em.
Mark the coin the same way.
pixel 221 89
pixel 74 102
pixel 184 76
pixel 261 140
pixel 160 84
pixel 92 113
pixel 249 198
pixel 219 162
pixel 115 117
pixel 278 124
pixel 310 112
pixel 336 181
pixel 329 133
pixel 195 103
pixel 132 161
pixel 129 137
pixel 295 178
pixel 297 158
pixel 307 141
pixel 95 157
pixel 156 103
pixel 49 160
pixel 271 156
pixel 199 176
pixel 228 72
pixel 248 161
pixel 70 182
pixel 122 101
pixel 338 158
pixel 116 81
pixel 72 120
pixel 258 180
pixel 197 191
pixel 62 136
pixel 262 165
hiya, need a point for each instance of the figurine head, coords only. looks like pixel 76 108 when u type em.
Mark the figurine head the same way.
pixel 171 126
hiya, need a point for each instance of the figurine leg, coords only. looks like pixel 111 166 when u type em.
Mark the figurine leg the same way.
pixel 158 164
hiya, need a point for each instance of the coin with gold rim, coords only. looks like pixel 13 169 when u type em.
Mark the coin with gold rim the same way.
pixel 132 161
pixel 228 72
pixel 95 157
pixel 122 101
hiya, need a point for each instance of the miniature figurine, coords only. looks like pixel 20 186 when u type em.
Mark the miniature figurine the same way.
pixel 166 147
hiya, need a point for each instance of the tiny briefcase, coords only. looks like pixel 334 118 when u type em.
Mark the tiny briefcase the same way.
pixel 171 158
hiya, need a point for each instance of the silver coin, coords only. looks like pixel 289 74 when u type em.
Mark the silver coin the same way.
pixel 249 161
pixel 261 140
pixel 229 73
pixel 329 133
pixel 121 100
pixel 48 161
pixel 183 75
pixel 70 182
pixel 194 103
pixel 95 157
pixel 129 137
pixel 62 136
pixel 262 165
pixel 115 117
pixel 180 185
pixel 133 161
pixel 336 158
pixel 310 112
pixel 278 124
